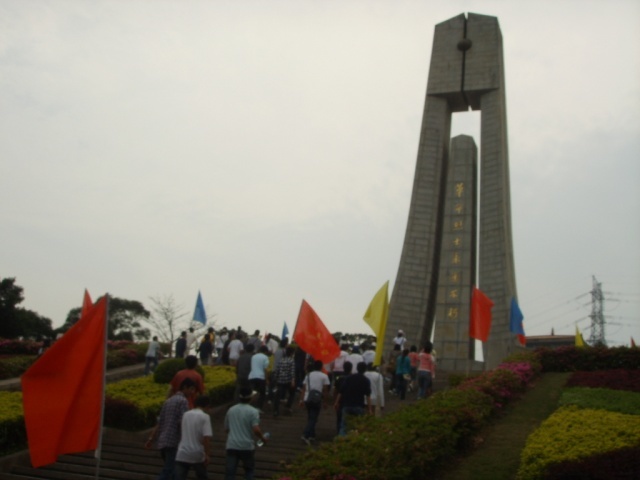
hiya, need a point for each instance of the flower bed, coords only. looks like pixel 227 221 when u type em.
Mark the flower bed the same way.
pixel 595 432
pixel 572 435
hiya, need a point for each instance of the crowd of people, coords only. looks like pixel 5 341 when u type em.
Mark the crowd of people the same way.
pixel 271 372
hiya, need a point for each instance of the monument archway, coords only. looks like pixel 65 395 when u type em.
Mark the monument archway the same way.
pixel 457 237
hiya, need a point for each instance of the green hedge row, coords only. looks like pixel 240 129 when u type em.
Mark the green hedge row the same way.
pixel 415 441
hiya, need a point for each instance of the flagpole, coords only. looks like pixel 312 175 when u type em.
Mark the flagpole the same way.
pixel 98 452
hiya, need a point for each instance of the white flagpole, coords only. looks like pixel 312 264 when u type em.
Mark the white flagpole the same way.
pixel 98 452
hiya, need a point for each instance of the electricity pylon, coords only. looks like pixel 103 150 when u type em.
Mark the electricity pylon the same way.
pixel 597 315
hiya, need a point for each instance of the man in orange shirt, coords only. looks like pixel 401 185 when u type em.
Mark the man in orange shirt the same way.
pixel 190 372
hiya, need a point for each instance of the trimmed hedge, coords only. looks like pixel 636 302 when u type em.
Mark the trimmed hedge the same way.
pixel 131 404
pixel 573 435
pixel 602 398
pixel 415 441
pixel 13 436
pixel 134 404
pixel 618 379
pixel 572 359
pixel 168 368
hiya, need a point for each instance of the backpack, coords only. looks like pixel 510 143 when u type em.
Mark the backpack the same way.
pixel 314 398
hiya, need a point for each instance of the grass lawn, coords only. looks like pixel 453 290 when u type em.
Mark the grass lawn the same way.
pixel 497 455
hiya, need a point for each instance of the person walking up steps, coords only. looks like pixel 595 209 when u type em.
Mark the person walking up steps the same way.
pixel 195 443
pixel 242 424
pixel 316 381
pixel 167 431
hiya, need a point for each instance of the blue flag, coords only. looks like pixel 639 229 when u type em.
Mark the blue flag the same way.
pixel 198 314
pixel 285 331
pixel 515 321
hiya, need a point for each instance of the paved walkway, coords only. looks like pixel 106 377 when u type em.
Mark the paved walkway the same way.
pixel 113 375
pixel 124 457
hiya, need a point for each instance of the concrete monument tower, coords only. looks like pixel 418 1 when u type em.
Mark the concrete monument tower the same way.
pixel 441 259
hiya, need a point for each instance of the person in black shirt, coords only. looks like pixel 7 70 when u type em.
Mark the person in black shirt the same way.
pixel 181 345
pixel 354 396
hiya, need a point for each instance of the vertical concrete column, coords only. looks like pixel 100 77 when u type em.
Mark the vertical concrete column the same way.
pixel 413 299
pixel 455 349
pixel 496 266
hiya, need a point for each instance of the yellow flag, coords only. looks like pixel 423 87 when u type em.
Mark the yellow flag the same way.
pixel 579 339
pixel 376 317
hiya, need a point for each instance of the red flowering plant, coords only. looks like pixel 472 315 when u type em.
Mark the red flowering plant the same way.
pixel 18 347
pixel 619 379
pixel 502 385
pixel 524 371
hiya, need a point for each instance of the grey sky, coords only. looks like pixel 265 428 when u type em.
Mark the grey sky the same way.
pixel 263 152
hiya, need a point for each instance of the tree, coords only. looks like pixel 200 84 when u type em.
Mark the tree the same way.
pixel 168 318
pixel 10 297
pixel 34 325
pixel 124 320
pixel 16 321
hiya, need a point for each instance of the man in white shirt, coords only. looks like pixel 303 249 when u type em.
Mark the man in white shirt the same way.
pixel 195 441
pixel 151 357
pixel 258 374
pixel 236 347
pixel 369 355
pixel 337 368
pixel 191 342
pixel 355 357
pixel 315 380
pixel 400 339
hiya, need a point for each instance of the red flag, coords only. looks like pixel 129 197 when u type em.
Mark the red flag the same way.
pixel 313 337
pixel 63 391
pixel 86 304
pixel 633 344
pixel 480 321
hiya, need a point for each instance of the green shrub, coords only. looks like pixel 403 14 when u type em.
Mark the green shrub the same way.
pixel 15 366
pixel 142 392
pixel 169 367
pixel 572 434
pixel 220 383
pixel 135 403
pixel 409 443
pixel 602 398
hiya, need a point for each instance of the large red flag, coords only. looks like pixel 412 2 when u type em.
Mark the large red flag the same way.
pixel 480 318
pixel 63 390
pixel 313 337
pixel 86 304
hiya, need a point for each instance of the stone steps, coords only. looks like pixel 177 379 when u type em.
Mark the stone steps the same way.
pixel 125 458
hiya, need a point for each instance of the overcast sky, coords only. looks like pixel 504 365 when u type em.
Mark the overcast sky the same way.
pixel 264 151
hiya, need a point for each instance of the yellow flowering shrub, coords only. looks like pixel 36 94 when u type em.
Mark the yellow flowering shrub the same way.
pixel 12 430
pixel 146 396
pixel 572 433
